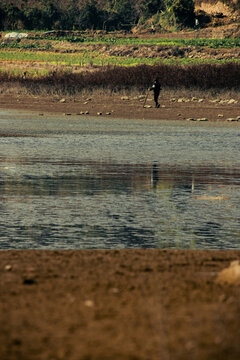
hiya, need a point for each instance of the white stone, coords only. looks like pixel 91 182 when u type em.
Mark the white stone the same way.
pixel 14 35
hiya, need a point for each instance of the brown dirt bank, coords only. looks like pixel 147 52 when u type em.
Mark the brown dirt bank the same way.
pixel 124 304
pixel 173 106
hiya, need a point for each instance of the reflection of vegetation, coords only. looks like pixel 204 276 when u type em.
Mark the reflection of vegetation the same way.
pixel 138 211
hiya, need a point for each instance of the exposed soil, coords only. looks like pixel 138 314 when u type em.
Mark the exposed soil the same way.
pixel 124 304
pixel 130 107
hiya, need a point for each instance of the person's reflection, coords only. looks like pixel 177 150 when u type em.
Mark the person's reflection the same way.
pixel 155 176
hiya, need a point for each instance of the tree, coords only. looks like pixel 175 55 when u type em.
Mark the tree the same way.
pixel 2 17
pixel 90 17
pixel 151 7
pixel 11 16
pixel 184 12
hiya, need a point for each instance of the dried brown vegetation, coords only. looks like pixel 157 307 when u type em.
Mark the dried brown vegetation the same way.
pixel 204 77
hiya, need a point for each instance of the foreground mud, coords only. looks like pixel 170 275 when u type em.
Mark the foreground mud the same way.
pixel 172 107
pixel 124 304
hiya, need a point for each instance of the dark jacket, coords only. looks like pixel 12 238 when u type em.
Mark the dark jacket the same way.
pixel 156 87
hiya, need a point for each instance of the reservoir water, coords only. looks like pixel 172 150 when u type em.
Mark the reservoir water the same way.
pixel 92 183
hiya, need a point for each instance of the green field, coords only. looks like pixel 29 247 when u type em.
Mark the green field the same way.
pixel 73 51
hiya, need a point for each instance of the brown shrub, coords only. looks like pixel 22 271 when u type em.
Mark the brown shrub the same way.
pixel 204 77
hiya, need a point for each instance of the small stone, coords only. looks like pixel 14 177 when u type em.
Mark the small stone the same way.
pixel 232 101
pixel 180 100
pixel 200 100
pixel 62 101
pixel 8 267
pixel 194 98
pixel 108 113
pixel 99 113
pixel 202 119
pixel 148 106
pixel 85 103
pixel 172 99
pixel 190 119
pixel 125 98
pixel 238 118
pixel 230 275
pixel 163 106
pixel 89 99
pixel 220 115
pixel 67 114
pixel 231 119
pixel 114 290
pixel 29 281
pixel 86 112
pixel 89 303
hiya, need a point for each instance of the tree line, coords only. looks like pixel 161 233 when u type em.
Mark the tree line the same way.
pixel 107 15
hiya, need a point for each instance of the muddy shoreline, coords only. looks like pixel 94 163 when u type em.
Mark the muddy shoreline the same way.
pixel 127 107
pixel 123 304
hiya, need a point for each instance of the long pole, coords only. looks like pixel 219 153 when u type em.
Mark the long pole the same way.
pixel 146 98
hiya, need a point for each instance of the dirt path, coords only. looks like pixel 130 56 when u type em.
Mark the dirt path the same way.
pixel 125 304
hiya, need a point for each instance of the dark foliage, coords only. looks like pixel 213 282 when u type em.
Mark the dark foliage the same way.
pixel 86 14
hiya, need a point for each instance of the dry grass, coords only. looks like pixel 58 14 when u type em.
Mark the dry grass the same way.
pixel 210 79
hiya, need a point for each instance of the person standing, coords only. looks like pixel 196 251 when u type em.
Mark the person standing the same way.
pixel 156 88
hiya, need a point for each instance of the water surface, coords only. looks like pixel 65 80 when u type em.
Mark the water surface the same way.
pixel 92 183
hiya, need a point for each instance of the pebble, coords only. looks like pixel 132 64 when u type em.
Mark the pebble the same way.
pixel 62 101
pixel 190 119
pixel 232 101
pixel 85 103
pixel 125 98
pixel 67 114
pixel 232 119
pixel 86 112
pixel 202 119
pixel 29 281
pixel 8 267
pixel 89 303
pixel 114 290
pixel 108 113
pixel 230 275
pixel 148 106
pixel 220 115
pixel 99 113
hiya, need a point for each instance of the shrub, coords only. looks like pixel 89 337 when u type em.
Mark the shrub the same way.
pixel 184 12
pixel 195 76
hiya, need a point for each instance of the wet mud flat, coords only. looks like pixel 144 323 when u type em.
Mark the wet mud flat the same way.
pixel 173 106
pixel 118 304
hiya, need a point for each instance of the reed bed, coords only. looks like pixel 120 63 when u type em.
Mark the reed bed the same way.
pixel 203 77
